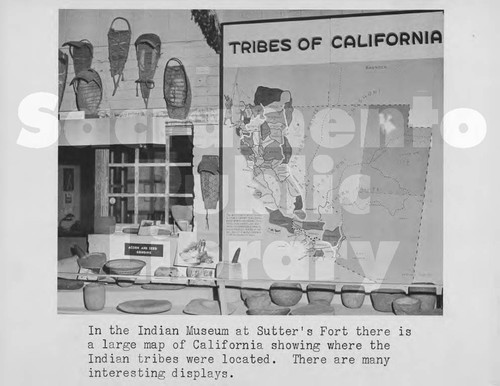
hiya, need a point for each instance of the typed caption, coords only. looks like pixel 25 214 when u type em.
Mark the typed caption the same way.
pixel 196 352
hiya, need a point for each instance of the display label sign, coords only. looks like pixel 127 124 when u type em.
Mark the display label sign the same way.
pixel 136 249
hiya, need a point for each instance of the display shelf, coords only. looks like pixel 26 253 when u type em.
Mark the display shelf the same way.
pixel 71 301
pixel 242 283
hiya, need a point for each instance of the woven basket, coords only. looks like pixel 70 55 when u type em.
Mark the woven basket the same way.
pixel 118 47
pixel 63 74
pixel 88 90
pixel 176 90
pixel 210 190
pixel 208 168
pixel 82 53
pixel 148 51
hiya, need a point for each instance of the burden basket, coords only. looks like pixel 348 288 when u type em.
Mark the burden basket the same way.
pixel 148 50
pixel 88 90
pixel 82 53
pixel 63 74
pixel 208 169
pixel 118 47
pixel 176 89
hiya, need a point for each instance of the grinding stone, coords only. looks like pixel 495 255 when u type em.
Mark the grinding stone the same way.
pixel 314 309
pixel 145 306
pixel 67 284
pixel 162 286
pixel 206 307
pixel 268 311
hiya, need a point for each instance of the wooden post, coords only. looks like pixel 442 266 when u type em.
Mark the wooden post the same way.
pixel 221 288
pixel 101 182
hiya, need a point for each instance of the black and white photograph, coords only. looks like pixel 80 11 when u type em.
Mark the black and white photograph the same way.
pixel 288 163
pixel 251 192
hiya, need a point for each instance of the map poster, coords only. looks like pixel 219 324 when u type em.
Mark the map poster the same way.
pixel 331 151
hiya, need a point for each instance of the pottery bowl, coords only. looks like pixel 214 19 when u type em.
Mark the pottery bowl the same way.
pixel 353 296
pixel 93 261
pixel 127 267
pixel 286 294
pixel 406 306
pixel 382 298
pixel 426 295
pixel 320 293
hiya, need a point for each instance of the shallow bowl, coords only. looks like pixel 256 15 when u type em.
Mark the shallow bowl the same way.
pixel 127 267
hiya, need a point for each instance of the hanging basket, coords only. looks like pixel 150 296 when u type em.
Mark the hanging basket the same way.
pixel 63 74
pixel 148 50
pixel 88 90
pixel 208 169
pixel 209 24
pixel 210 189
pixel 176 89
pixel 82 53
pixel 118 47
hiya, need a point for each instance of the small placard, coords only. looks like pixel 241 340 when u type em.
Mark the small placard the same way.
pixel 136 249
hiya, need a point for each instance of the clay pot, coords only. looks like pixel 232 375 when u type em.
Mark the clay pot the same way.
pixel 406 306
pixel 426 295
pixel 320 293
pixel 94 296
pixel 352 296
pixel 286 294
pixel 382 298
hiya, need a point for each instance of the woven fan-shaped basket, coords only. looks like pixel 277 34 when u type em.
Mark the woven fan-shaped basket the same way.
pixel 88 90
pixel 176 89
pixel 118 48
pixel 63 74
pixel 82 53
